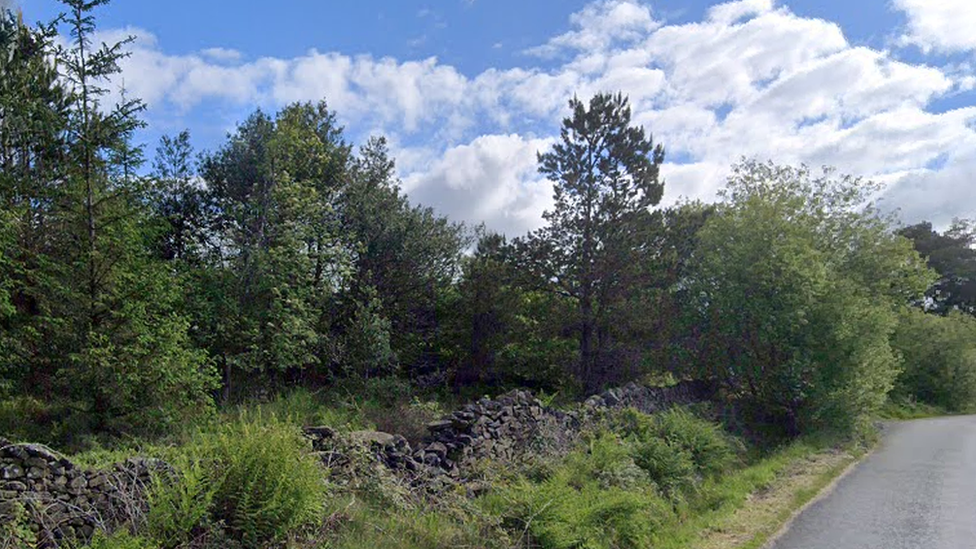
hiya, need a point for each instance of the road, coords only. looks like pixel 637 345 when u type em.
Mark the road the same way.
pixel 917 491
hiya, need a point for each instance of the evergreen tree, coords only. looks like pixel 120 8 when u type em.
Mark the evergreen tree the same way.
pixel 952 254
pixel 98 317
pixel 593 249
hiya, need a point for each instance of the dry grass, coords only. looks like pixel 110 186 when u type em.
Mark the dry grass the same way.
pixel 768 509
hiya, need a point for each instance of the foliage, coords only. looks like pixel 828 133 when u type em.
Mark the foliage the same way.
pixel 420 527
pixel 250 479
pixel 796 287
pixel 181 501
pixel 406 253
pixel 367 351
pixel 669 466
pixel 266 482
pixel 596 498
pixel 677 448
pixel 605 175
pixel 939 359
pixel 277 259
pixel 121 539
pixel 95 318
pixel 952 254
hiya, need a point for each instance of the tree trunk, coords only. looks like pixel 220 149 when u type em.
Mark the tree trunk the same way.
pixel 587 348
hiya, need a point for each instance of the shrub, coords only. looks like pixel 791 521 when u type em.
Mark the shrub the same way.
pixel 180 501
pixel 266 480
pixel 671 468
pixel 421 527
pixel 605 460
pixel 558 514
pixel 711 450
pixel 794 286
pixel 939 359
pixel 596 498
pixel 254 476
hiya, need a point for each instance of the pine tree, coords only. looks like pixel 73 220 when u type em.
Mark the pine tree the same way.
pixel 605 176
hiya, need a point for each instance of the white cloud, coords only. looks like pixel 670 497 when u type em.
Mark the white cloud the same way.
pixel 222 55
pixel 601 24
pixel 938 196
pixel 752 78
pixel 940 25
pixel 732 12
pixel 492 179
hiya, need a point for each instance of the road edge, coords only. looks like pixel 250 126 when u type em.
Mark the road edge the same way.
pixel 825 491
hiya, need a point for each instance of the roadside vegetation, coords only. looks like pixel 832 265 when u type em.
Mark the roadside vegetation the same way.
pixel 202 308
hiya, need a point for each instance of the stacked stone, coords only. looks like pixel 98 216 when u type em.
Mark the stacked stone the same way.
pixel 505 430
pixel 652 399
pixel 60 501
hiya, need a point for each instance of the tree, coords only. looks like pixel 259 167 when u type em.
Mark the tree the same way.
pixel 34 109
pixel 277 259
pixel 406 253
pixel 797 282
pixel 179 201
pixel 96 316
pixel 952 254
pixel 940 359
pixel 605 176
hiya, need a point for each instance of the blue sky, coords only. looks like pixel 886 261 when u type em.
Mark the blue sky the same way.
pixel 469 90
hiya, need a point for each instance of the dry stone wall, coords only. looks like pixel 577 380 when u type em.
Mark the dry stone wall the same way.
pixel 59 501
pixel 506 429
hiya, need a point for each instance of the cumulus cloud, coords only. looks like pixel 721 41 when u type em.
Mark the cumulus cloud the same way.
pixel 751 78
pixel 600 25
pixel 492 179
pixel 940 25
pixel 938 196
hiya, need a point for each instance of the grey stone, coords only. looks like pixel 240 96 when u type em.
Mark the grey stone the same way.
pixel 437 448
pixel 367 437
pixel 11 471
pixel 438 426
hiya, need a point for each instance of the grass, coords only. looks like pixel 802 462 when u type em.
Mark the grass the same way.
pixel 745 508
pixel 669 481
pixel 910 410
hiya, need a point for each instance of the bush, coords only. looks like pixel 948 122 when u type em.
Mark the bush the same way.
pixel 708 448
pixel 794 286
pixel 712 451
pixel 596 498
pixel 939 359
pixel 423 527
pixel 267 481
pixel 180 502
pixel 669 467
pixel 558 513
pixel 254 476
pixel 608 461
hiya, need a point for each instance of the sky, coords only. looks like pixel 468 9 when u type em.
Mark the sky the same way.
pixel 468 91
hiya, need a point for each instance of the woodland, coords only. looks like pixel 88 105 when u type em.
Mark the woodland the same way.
pixel 162 299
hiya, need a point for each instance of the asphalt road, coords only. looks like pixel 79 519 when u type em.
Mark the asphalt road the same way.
pixel 917 491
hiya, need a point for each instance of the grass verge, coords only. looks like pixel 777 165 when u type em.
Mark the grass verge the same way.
pixel 745 509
